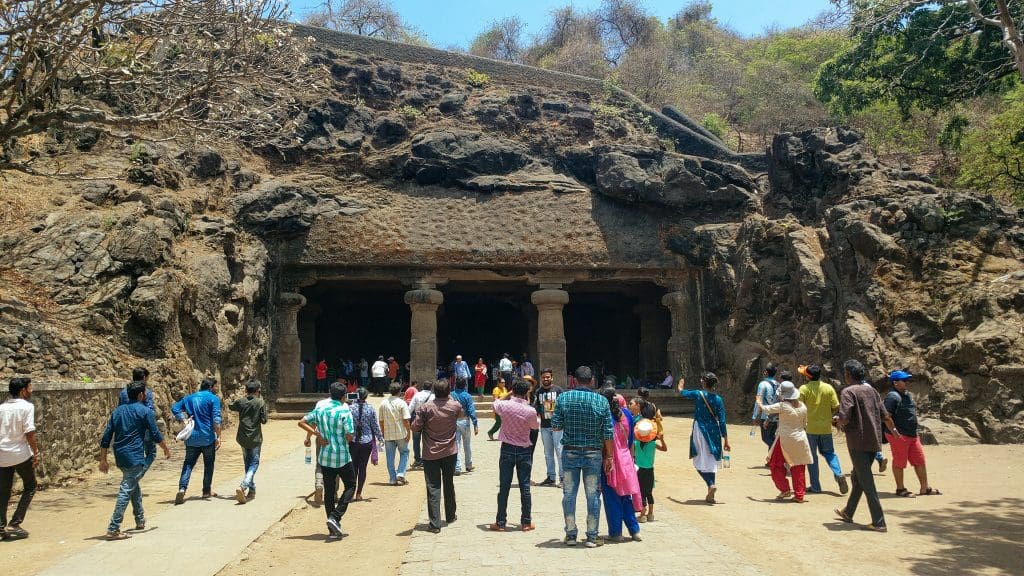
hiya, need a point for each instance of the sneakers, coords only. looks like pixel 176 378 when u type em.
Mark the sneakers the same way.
pixel 569 541
pixel 883 464
pixel 240 495
pixel 547 482
pixel 844 487
pixel 334 528
pixel 179 498
pixel 593 542
pixel 318 496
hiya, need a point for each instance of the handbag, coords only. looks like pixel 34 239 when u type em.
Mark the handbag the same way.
pixel 373 452
pixel 186 431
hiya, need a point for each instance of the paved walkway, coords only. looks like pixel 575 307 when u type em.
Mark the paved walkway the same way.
pixel 671 545
pixel 187 539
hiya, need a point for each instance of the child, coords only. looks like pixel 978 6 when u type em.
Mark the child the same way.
pixel 643 453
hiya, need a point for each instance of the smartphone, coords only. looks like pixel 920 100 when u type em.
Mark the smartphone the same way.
pixel 352 396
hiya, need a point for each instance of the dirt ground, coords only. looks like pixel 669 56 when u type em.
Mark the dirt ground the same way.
pixel 975 527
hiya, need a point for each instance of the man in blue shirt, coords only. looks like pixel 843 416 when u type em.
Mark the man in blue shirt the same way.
pixel 462 435
pixel 140 377
pixel 127 429
pixel 204 409
pixel 585 420
pixel 766 391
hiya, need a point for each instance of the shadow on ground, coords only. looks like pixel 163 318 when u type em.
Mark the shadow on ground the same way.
pixel 975 536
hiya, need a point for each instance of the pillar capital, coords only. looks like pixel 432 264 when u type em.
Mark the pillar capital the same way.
pixel 291 300
pixel 675 300
pixel 422 296
pixel 549 298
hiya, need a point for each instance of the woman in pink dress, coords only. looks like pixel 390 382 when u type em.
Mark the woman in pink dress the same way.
pixel 620 487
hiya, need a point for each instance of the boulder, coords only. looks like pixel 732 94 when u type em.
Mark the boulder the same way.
pixel 451 103
pixel 284 208
pixel 388 131
pixel 209 163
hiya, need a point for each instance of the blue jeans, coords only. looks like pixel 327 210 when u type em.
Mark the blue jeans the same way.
pixel 585 463
pixel 520 460
pixel 402 447
pixel 821 443
pixel 129 491
pixel 464 436
pixel 251 459
pixel 552 440
pixel 192 453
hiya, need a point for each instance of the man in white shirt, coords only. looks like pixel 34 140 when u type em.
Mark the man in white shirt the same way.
pixel 379 376
pixel 426 394
pixel 19 454
pixel 395 425
pixel 505 368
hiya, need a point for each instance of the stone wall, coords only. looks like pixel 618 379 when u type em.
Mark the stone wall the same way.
pixel 70 419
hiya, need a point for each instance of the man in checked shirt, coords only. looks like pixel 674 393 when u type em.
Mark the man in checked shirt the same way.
pixel 585 420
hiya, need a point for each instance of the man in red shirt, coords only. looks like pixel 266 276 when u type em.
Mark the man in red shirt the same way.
pixel 392 369
pixel 321 376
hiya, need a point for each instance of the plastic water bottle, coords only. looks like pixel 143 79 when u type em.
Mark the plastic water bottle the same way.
pixel 725 460
pixel 309 454
pixel 752 428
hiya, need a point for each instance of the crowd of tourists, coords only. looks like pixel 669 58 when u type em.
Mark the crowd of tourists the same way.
pixel 591 436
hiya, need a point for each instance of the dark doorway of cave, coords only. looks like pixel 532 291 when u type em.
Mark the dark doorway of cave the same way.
pixel 483 324
pixel 603 332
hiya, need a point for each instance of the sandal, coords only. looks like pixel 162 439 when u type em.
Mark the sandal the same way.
pixel 905 493
pixel 118 535
pixel 931 492
pixel 784 495
pixel 843 515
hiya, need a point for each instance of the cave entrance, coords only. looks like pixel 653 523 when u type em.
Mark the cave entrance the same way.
pixel 482 322
pixel 603 331
pixel 351 321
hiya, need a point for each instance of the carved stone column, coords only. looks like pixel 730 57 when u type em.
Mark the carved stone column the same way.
pixel 551 331
pixel 678 303
pixel 289 348
pixel 423 343
pixel 654 334
pixel 308 318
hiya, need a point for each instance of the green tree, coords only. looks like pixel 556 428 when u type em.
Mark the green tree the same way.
pixel 992 154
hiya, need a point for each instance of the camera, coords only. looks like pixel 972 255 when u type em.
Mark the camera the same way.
pixel 352 396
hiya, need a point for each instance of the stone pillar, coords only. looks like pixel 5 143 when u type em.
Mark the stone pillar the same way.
pixel 423 344
pixel 551 331
pixel 307 323
pixel 289 348
pixel 654 333
pixel 679 343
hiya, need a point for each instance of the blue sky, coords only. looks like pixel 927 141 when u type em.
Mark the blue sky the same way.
pixel 456 22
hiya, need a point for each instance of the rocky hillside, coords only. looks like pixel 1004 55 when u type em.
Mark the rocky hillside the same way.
pixel 164 252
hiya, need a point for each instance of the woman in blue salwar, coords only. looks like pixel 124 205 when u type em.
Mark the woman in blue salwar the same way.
pixel 709 434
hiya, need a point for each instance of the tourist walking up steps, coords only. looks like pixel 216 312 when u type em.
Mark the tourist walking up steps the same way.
pixel 252 415
pixel 790 447
pixel 907 446
pixel 709 434
pixel 204 409
pixel 520 419
pixel 620 486
pixel 463 437
pixel 585 420
pixel 436 420
pixel 822 402
pixel 19 454
pixel 497 392
pixel 367 432
pixel 860 416
pixel 544 399
pixel 127 430
pixel 395 425
pixel 331 423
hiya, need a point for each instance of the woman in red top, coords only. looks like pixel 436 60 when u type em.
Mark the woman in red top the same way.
pixel 480 378
pixel 410 391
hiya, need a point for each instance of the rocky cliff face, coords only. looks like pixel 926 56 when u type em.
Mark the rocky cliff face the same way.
pixel 168 254
pixel 853 259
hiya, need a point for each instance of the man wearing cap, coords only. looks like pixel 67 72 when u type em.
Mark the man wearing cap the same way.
pixel 822 402
pixel 585 420
pixel 906 445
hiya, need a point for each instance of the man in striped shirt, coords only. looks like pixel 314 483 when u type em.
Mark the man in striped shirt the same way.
pixel 332 425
